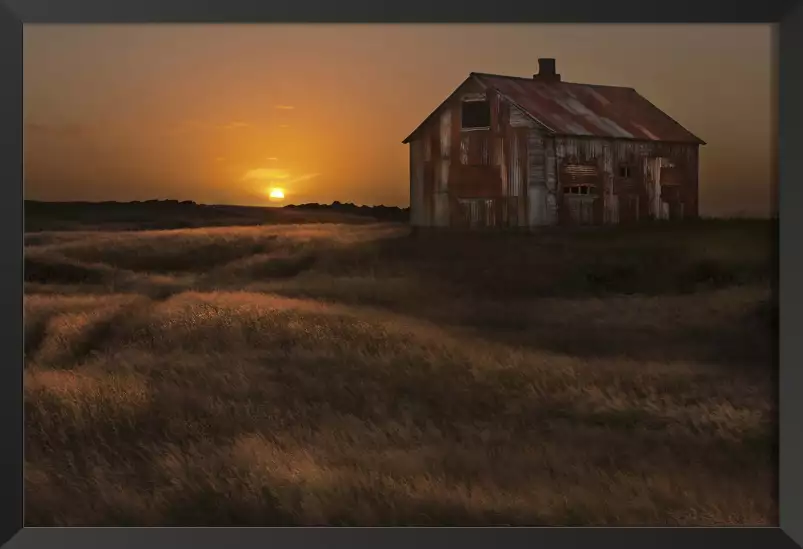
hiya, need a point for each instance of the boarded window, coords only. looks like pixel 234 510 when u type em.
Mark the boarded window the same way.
pixel 476 114
pixel 580 170
pixel 672 176
pixel 579 174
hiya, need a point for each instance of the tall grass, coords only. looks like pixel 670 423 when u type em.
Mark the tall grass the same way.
pixel 352 375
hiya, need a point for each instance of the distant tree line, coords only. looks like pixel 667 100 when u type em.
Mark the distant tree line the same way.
pixel 161 214
pixel 385 213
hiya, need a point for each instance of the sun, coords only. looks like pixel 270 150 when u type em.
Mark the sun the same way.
pixel 276 194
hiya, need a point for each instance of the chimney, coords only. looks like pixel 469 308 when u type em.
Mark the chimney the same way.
pixel 546 70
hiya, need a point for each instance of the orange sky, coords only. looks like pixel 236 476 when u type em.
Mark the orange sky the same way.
pixel 220 113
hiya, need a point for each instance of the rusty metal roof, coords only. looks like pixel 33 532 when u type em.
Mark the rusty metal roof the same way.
pixel 565 108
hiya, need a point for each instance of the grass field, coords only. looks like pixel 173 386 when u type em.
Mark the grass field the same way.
pixel 354 375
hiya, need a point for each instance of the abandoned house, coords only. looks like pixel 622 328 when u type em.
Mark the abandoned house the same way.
pixel 504 151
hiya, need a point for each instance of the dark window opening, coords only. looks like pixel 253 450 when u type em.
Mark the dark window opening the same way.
pixel 580 189
pixel 625 172
pixel 476 114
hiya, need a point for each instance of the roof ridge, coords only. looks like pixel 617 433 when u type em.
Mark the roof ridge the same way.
pixel 553 82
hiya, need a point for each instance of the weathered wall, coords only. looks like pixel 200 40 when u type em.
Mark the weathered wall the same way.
pixel 661 183
pixel 417 183
pixel 472 178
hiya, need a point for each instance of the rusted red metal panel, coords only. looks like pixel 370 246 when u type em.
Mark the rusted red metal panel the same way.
pixel 475 148
pixel 589 110
pixel 475 181
pixel 672 175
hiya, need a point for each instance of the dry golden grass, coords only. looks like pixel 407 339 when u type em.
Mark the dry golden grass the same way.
pixel 349 375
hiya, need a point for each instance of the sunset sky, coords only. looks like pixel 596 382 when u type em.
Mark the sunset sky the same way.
pixel 222 113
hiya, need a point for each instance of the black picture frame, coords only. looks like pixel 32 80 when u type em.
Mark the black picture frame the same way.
pixel 786 14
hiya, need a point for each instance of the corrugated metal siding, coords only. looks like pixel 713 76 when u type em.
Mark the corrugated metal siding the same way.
pixel 416 182
pixel 621 150
pixel 478 213
pixel 436 176
pixel 514 182
pixel 446 133
pixel 499 154
pixel 611 209
pixel 443 176
pixel 652 183
pixel 643 187
pixel 610 202
pixel 551 159
pixel 440 198
pixel 429 191
pixel 536 175
pixel 475 148
pixel 536 179
pixel 441 209
pixel 537 215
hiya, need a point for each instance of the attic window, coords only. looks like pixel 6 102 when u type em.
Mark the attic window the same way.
pixel 476 115
pixel 625 172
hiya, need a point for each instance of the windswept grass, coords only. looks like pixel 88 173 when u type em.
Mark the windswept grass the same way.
pixel 353 375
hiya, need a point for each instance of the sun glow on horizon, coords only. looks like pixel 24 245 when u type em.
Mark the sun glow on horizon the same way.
pixel 274 182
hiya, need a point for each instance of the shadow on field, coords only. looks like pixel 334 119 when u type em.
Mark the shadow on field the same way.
pixel 650 260
pixel 663 293
pixel 745 342
pixel 606 377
